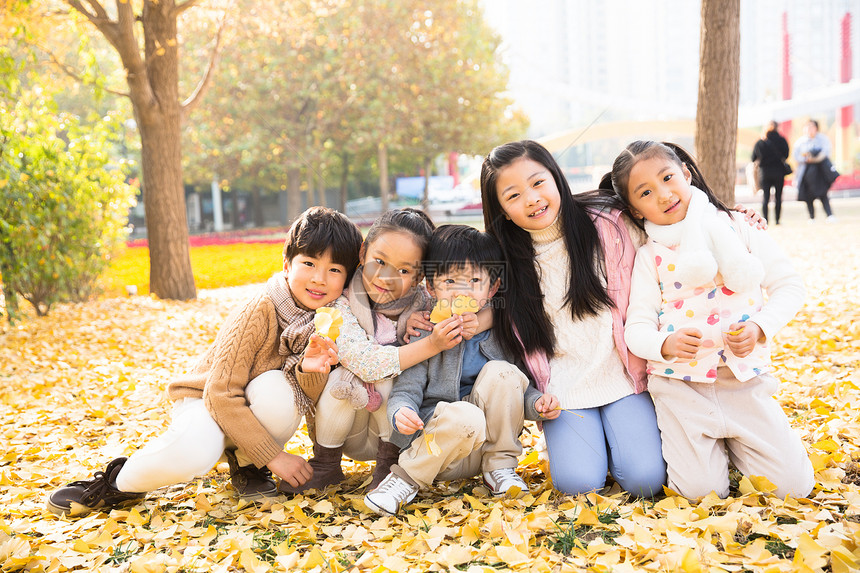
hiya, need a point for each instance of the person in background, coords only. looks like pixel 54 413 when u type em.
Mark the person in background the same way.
pixel 770 153
pixel 810 151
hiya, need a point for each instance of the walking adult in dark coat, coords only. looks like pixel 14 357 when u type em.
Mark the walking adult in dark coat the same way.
pixel 770 152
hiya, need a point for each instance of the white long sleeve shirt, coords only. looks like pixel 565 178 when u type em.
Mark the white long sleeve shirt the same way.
pixel 654 314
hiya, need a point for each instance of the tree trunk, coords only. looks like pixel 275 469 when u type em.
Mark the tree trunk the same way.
pixel 154 90
pixel 234 209
pixel 425 200
pixel 153 87
pixel 344 180
pixel 311 179
pixel 320 183
pixel 383 176
pixel 170 274
pixel 257 208
pixel 294 194
pixel 717 109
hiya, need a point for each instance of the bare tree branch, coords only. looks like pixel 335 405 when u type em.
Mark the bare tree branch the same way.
pixel 70 71
pixel 129 52
pixel 98 17
pixel 191 102
pixel 120 34
pixel 180 8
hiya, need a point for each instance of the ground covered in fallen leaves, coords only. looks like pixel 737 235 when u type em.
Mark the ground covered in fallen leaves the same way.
pixel 85 385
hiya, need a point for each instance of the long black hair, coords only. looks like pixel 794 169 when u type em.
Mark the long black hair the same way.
pixel 521 293
pixel 642 150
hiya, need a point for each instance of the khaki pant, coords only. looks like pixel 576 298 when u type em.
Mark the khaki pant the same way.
pixel 705 426
pixel 479 433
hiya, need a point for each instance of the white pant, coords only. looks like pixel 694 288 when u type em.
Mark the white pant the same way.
pixel 358 431
pixel 194 442
pixel 707 425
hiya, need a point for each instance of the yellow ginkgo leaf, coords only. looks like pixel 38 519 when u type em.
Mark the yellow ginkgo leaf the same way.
pixel 440 312
pixel 462 304
pixel 327 322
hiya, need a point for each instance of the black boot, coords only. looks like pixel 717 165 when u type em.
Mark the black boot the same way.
pixel 250 482
pixel 90 495
pixel 326 466
pixel 387 455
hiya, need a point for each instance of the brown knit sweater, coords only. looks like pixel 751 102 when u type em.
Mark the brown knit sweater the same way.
pixel 245 347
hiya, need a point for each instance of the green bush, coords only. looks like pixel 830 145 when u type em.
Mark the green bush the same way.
pixel 63 202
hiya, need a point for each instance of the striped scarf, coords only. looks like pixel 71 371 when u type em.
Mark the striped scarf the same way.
pixel 298 326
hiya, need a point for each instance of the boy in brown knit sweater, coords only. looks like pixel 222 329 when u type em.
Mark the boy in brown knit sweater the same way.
pixel 246 395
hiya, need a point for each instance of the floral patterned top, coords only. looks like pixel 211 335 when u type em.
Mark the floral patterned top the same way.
pixel 360 353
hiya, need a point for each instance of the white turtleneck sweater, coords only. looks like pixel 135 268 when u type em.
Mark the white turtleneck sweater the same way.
pixel 586 370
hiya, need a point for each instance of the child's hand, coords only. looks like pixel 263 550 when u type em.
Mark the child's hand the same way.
pixel 683 344
pixel 320 355
pixel 752 217
pixel 418 320
pixel 744 339
pixel 407 421
pixel 447 334
pixel 548 407
pixel 469 326
pixel 291 468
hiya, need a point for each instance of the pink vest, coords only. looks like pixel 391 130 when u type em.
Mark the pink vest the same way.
pixel 618 254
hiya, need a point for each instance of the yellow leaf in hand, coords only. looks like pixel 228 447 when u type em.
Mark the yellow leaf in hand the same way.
pixel 463 303
pixel 327 322
pixel 441 311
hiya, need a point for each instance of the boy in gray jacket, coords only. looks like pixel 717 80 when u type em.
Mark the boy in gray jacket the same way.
pixel 469 402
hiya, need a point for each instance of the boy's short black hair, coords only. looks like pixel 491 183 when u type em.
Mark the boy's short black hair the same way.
pixel 319 229
pixel 454 246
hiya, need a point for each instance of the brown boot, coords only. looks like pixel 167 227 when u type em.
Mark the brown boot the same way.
pixel 387 455
pixel 326 466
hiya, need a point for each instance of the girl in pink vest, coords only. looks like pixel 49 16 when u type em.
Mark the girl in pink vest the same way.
pixel 696 314
pixel 565 299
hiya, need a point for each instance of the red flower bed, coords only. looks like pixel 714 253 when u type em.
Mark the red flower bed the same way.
pixel 267 235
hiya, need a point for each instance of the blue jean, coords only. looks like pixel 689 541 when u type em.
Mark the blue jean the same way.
pixel 621 437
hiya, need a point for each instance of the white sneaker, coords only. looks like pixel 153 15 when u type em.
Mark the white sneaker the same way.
pixel 389 496
pixel 831 219
pixel 505 481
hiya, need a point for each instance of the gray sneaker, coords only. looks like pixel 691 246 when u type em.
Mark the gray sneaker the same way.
pixel 505 481
pixel 393 493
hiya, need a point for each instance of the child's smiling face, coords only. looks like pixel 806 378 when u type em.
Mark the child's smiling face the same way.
pixel 315 281
pixel 469 280
pixel 528 194
pixel 658 190
pixel 392 266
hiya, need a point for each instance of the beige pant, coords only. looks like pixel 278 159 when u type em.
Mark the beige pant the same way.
pixel 705 426
pixel 358 431
pixel 479 433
